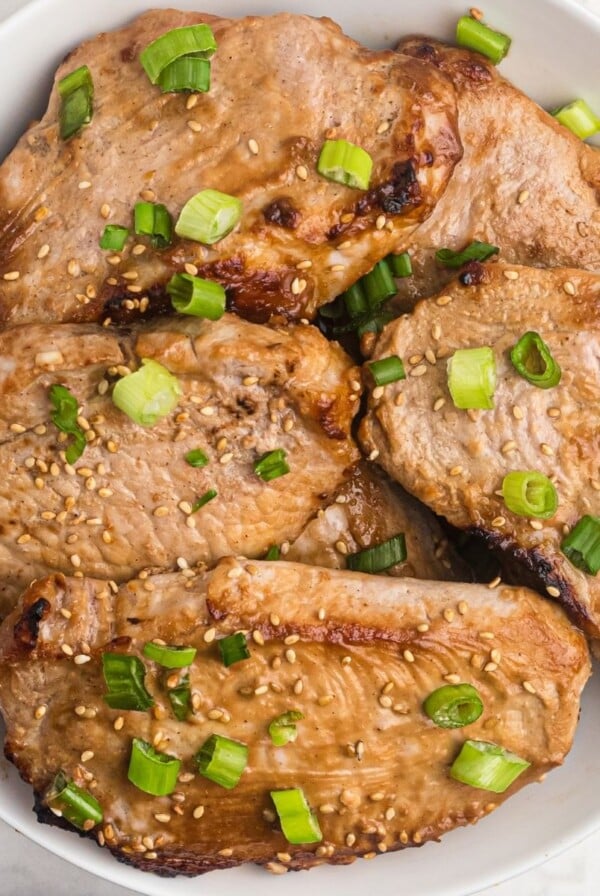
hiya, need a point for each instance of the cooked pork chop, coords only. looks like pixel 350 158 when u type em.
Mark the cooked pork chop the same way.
pixel 525 183
pixel 127 503
pixel 455 460
pixel 367 510
pixel 281 85
pixel 366 653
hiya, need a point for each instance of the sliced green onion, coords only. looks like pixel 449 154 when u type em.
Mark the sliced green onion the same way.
pixel 374 323
pixel 204 499
pixel 355 300
pixel 274 552
pixel 188 73
pixel 169 657
pixel 222 760
pixel 582 544
pixel 80 808
pixel 196 458
pixel 272 465
pixel 77 101
pixel 472 377
pixel 114 237
pixel 532 359
pixel 64 417
pixel 380 557
pixel 453 706
pixel 153 219
pixel 578 118
pixel 529 493
pixel 400 265
pixel 333 310
pixel 475 251
pixel 208 217
pixel 124 677
pixel 200 298
pixel 379 284
pixel 283 730
pixel 186 41
pixel 476 36
pixel 233 649
pixel 154 773
pixel 180 698
pixel 345 163
pixel 487 766
pixel 298 822
pixel 148 394
pixel 387 370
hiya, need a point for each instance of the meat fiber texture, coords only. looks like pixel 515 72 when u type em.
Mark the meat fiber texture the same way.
pixel 455 460
pixel 372 765
pixel 281 85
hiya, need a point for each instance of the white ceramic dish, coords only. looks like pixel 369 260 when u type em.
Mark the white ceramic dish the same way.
pixel 554 58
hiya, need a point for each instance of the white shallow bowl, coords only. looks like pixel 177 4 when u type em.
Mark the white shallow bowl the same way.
pixel 553 58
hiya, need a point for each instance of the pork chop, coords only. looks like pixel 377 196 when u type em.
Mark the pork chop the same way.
pixel 281 86
pixel 128 502
pixel 366 653
pixel 455 460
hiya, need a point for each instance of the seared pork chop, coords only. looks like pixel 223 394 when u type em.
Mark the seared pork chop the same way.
pixel 366 653
pixel 525 184
pixel 455 460
pixel 128 502
pixel 281 86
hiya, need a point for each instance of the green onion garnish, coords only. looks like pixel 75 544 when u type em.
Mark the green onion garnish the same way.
pixel 114 237
pixel 298 822
pixel 472 377
pixel 180 698
pixel 487 766
pixel 400 265
pixel 200 298
pixel 64 417
pixel 475 251
pixel 169 657
pixel 188 73
pixel 154 773
pixel 77 101
pixel 283 730
pixel 204 499
pixel 271 465
pixel 578 118
pixel 582 544
pixel 379 284
pixel 274 552
pixel 476 36
pixel 387 370
pixel 345 163
pixel 453 706
pixel 333 310
pixel 148 394
pixel 196 458
pixel 532 359
pixel 222 760
pixel 81 809
pixel 153 219
pixel 187 41
pixel 380 557
pixel 529 493
pixel 208 217
pixel 124 677
pixel 355 300
pixel 233 649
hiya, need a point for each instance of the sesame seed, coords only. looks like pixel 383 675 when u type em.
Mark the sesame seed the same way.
pixel 527 686
pixel 523 197
pixel 290 655
pixel 258 638
pixel 161 511
pixel 302 172
pixel 449 615
pixel 536 524
pixel 81 659
pixel 298 686
pixel 509 446
pixel 496 655
pixel 420 370
pixel 304 265
pixel 511 275
pixel 336 268
pixel 518 412
pixel 12 275
pixel 327 809
pixel 274 867
pixel 498 521
pixel 209 635
pixel 452 678
pixel 456 471
pixel 423 627
pixel 215 714
pixel 163 817
pixel 298 286
pixel 87 755
pixel 547 449
pixel 487 636
pixel 346 660
pixel 198 812
pixel 476 13
pixel 118 723
pixel 490 667
pixel 253 146
pixel 326 699
pixel 40 711
pixel 350 840
pixel 261 689
pixel 359 748
pixel 569 288
pixel 386 701
pixel 443 300
pixel 80 710
pixel 380 222
pixel 409 656
pixel 194 126
pixel 553 591
pixel 67 649
pixel 439 403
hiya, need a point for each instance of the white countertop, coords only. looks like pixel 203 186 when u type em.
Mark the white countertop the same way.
pixel 27 869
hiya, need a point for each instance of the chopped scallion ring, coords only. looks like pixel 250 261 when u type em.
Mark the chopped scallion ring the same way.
pixel 487 766
pixel 169 657
pixel 379 557
pixel 355 300
pixel 476 36
pixel 233 649
pixel 453 706
pixel 64 417
pixel 274 552
pixel 529 493
pixel 204 499
pixel 472 377
pixel 283 730
pixel 79 808
pixel 180 698
pixel 475 251
pixel 154 773
pixel 272 465
pixel 148 394
pixel 208 217
pixel 77 99
pixel 196 458
pixel 400 265
pixel 186 41
pixel 195 296
pixel 532 359
pixel 345 163
pixel 387 370
pixel 578 118
pixel 188 73
pixel 298 822
pixel 124 677
pixel 379 284
pixel 153 219
pixel 222 760
pixel 114 237
pixel 582 544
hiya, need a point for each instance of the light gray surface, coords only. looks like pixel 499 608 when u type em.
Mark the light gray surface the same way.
pixel 27 870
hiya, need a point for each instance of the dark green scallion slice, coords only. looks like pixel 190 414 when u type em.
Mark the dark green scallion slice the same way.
pixel 188 73
pixel 271 465
pixel 475 251
pixel 379 284
pixel 476 36
pixel 454 706
pixel 171 657
pixel 345 163
pixel 333 310
pixel 77 101
pixel 387 370
pixel 124 677
pixel 529 493
pixel 64 417
pixel 222 760
pixel 114 237
pixel 152 772
pixel 582 544
pixel 298 822
pixel 487 766
pixel 379 557
pixel 355 300
pixel 533 360
pixel 191 40
pixel 283 729
pixel 79 808
pixel 400 265
pixel 197 297
pixel 152 219
pixel 180 698
pixel 196 458
pixel 274 552
pixel 233 649
pixel 204 499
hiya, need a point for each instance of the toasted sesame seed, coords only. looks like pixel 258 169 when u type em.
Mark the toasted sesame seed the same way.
pixel 386 701
pixel 87 755
pixel 456 471
pixel 374 454
pixel 274 867
pixel 495 655
pixel 163 817
pixel 423 627
pixel 409 656
pixel 302 172
pixel 350 839
pixel 346 660
pixel 569 288
pixel 380 222
pixel 443 300
pixel 12 275
pixel 80 710
pixel 298 686
pixel 452 678
pixel 298 286
pixel 194 126
pixel 81 659
pixel 547 449
pixel 290 655
pixel 378 392
pixel 67 649
pixel 326 699
pixel 490 667
pixel 336 268
pixel 327 809
pixel 261 689
pixel 487 636
pixel 209 635
pixel 420 370
pixel 253 146
pixel 536 524
pixel 523 197
pixel 476 13
pixel 448 615
pixel 518 413
pixel 439 403
pixel 215 714
pixel 118 723
pixel 527 686
pixel 511 275
pixel 509 446
pixel 198 812
pixel 553 591
pixel 498 521
pixel 257 637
